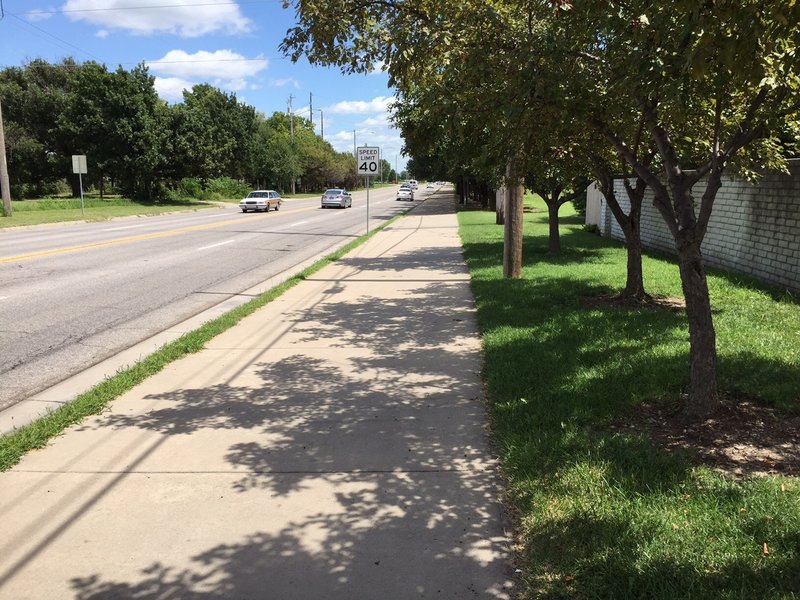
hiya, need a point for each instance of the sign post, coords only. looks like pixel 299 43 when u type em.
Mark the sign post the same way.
pixel 79 167
pixel 368 160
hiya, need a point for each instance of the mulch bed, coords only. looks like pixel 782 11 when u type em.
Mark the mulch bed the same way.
pixel 743 438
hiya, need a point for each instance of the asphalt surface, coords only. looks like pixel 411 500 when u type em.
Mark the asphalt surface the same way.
pixel 75 294
pixel 331 445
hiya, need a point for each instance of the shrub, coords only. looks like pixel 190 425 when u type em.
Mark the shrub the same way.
pixel 226 188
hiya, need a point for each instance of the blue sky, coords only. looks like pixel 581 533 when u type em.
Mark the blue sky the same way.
pixel 230 44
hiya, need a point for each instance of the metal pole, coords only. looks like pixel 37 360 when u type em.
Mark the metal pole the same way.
pixel 80 181
pixel 367 178
pixel 291 134
pixel 5 190
pixel 354 142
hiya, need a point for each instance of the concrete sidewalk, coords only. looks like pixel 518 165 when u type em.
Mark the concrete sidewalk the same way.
pixel 332 445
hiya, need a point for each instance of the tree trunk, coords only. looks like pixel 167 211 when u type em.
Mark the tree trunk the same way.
pixel 703 396
pixel 75 184
pixel 634 284
pixel 554 237
pixel 631 228
pixel 513 230
pixel 501 197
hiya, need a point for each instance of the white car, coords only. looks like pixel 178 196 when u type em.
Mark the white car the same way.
pixel 261 200
pixel 405 192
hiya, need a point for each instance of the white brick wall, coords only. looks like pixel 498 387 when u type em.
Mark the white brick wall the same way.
pixel 754 229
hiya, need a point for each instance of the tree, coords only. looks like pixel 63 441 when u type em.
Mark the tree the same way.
pixel 716 84
pixel 32 97
pixel 449 49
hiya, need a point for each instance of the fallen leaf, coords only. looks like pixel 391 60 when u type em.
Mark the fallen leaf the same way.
pixel 766 549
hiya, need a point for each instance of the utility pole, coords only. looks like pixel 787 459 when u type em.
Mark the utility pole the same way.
pixel 291 134
pixel 4 185
pixel 311 109
pixel 291 118
pixel 354 142
pixel 321 124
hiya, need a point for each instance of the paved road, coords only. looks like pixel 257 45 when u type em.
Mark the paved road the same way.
pixel 74 294
pixel 332 445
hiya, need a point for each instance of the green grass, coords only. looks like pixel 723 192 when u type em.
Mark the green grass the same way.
pixel 606 515
pixel 56 210
pixel 13 446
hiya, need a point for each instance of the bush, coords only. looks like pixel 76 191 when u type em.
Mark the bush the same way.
pixel 592 229
pixel 225 188
pixel 580 204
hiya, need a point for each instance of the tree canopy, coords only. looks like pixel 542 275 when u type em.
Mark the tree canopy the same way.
pixel 144 147
pixel 675 93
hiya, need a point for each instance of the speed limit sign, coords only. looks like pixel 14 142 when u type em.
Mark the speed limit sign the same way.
pixel 368 163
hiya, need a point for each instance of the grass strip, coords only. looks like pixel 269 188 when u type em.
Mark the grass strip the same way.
pixel 602 512
pixel 55 210
pixel 14 445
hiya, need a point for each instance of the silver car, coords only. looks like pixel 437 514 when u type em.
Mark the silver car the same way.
pixel 337 197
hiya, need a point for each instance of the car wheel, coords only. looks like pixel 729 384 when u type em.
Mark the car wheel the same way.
pixel 277 207
pixel 244 210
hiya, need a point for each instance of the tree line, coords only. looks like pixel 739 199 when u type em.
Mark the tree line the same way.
pixel 552 94
pixel 141 146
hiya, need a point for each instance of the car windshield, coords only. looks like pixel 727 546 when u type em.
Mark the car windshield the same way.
pixel 333 192
pixel 258 195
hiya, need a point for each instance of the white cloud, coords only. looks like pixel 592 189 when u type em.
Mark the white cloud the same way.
pixel 171 88
pixel 378 121
pixel 39 14
pixel 225 65
pixel 103 33
pixel 224 69
pixel 379 104
pixel 379 68
pixel 287 81
pixel 374 128
pixel 186 18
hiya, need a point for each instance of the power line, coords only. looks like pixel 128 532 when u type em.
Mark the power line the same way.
pixel 119 8
pixel 24 22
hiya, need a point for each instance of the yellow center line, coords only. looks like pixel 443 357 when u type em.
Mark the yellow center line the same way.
pixel 143 237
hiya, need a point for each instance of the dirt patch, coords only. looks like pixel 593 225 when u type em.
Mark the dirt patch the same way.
pixel 742 438
pixel 617 301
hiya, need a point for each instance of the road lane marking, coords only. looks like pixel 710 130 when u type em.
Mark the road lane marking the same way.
pixel 217 244
pixel 150 236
